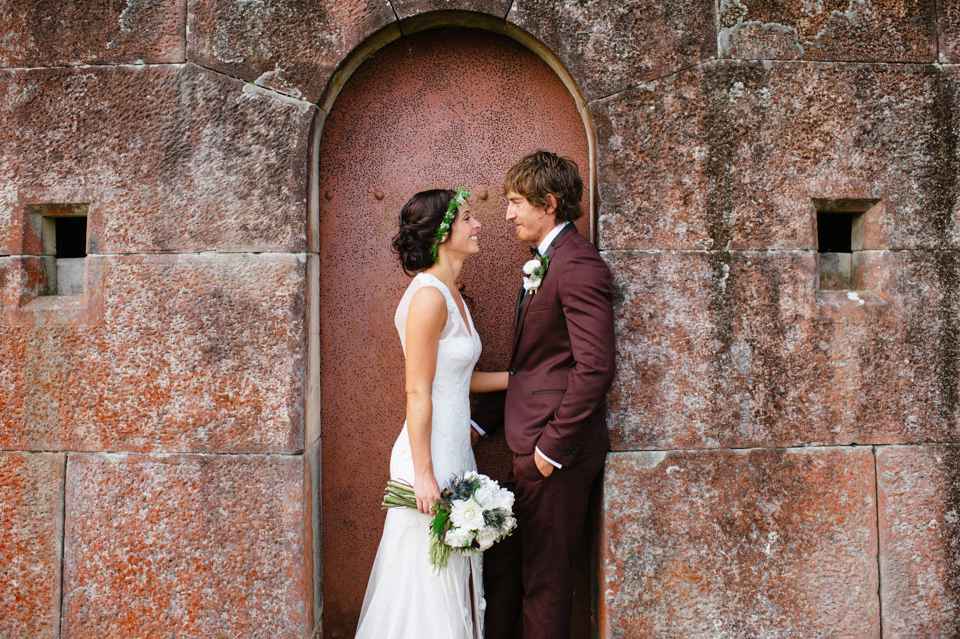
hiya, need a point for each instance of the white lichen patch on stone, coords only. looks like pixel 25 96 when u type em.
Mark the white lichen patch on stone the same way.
pixel 257 92
pixel 784 38
pixel 275 80
pixel 649 459
pixel 853 297
pixel 127 17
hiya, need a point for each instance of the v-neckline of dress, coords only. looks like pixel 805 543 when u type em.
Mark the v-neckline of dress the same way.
pixel 465 318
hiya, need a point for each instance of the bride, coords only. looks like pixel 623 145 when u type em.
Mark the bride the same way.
pixel 406 597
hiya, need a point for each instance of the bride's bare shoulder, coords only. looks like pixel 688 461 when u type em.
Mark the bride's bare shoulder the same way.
pixel 427 305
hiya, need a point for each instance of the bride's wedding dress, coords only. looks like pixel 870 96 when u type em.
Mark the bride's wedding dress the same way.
pixel 406 597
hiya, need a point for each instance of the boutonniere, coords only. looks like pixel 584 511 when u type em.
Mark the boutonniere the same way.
pixel 533 273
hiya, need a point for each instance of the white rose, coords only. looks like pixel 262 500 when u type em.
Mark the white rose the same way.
pixel 488 495
pixel 467 514
pixel 504 499
pixel 530 267
pixel 487 537
pixel 458 538
pixel 531 283
pixel 509 524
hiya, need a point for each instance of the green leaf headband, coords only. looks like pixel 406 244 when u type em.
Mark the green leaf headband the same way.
pixel 444 229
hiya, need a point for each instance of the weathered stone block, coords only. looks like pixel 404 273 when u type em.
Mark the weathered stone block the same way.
pixel 31 526
pixel 171 353
pixel 168 158
pixel 409 8
pixel 290 46
pixel 919 503
pixel 21 280
pixel 739 544
pixel 184 545
pixel 878 30
pixel 740 349
pixel 715 350
pixel 733 155
pixel 609 46
pixel 949 23
pixel 38 33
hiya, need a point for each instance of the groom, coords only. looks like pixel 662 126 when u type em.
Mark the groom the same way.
pixel 561 367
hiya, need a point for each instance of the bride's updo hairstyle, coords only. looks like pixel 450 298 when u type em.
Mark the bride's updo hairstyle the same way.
pixel 420 218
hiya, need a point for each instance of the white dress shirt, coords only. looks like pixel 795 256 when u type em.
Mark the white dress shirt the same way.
pixel 548 239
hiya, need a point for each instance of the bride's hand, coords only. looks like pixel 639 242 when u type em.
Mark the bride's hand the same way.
pixel 427 492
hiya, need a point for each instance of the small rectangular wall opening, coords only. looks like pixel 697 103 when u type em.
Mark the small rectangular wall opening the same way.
pixel 835 232
pixel 840 233
pixel 63 231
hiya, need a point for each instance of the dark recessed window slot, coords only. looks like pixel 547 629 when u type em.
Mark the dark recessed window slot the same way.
pixel 840 233
pixel 71 236
pixel 63 233
pixel 840 237
pixel 835 232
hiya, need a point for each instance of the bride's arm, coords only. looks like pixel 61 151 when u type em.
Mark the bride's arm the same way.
pixel 483 382
pixel 425 320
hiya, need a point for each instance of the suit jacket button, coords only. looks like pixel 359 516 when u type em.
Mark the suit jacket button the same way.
pixel 512 371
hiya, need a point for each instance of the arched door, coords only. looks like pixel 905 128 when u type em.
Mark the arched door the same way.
pixel 437 109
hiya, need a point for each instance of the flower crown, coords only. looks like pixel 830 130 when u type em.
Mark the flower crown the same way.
pixel 444 229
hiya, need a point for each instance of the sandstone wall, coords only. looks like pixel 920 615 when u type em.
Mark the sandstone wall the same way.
pixel 785 458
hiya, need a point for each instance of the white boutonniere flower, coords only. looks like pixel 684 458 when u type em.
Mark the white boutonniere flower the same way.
pixel 533 273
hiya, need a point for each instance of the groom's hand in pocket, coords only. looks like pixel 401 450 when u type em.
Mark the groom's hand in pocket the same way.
pixel 546 468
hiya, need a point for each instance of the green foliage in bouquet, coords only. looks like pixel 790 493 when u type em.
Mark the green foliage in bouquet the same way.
pixel 400 494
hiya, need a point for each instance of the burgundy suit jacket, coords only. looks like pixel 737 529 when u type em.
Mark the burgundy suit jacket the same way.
pixel 563 356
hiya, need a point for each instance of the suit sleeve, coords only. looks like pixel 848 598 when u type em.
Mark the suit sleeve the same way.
pixel 586 296
pixel 486 411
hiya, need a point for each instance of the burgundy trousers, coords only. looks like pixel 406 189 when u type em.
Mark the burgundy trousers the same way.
pixel 535 602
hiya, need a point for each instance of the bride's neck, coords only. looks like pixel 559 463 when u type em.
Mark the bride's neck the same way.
pixel 448 269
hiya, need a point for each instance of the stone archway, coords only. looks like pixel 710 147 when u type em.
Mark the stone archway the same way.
pixel 438 108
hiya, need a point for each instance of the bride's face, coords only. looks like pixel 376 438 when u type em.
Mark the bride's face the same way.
pixel 465 232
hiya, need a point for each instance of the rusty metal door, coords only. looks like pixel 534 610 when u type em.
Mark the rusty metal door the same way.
pixel 438 109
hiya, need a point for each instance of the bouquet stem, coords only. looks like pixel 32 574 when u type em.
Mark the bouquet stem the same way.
pixel 399 494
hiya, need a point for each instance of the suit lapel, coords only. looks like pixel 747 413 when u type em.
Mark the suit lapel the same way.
pixel 516 314
pixel 525 299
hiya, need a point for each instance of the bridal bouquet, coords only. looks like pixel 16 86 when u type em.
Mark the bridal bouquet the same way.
pixel 474 513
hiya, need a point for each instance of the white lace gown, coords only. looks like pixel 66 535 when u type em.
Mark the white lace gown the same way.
pixel 406 598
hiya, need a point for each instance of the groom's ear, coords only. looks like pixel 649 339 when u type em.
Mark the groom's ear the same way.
pixel 552 203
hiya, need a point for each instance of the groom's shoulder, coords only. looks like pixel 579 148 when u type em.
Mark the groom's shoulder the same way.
pixel 580 258
pixel 578 248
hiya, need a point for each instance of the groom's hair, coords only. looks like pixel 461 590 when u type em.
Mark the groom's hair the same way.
pixel 544 172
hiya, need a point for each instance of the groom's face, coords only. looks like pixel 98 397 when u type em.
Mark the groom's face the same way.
pixel 531 222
